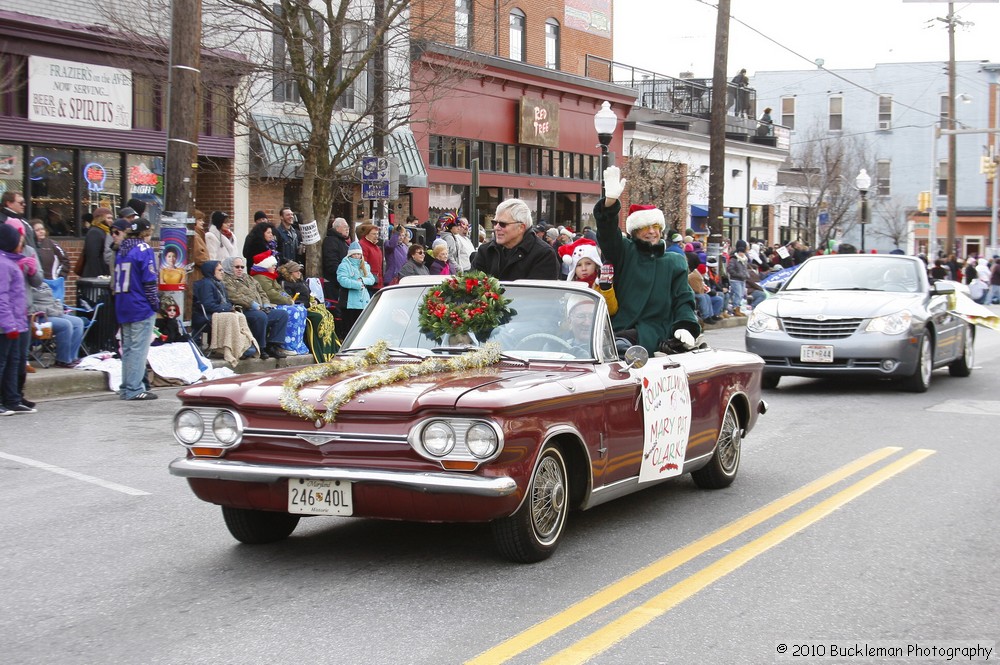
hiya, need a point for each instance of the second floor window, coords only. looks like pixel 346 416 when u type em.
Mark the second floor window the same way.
pixel 788 112
pixel 883 178
pixel 355 43
pixel 944 111
pixel 517 36
pixel 463 19
pixel 552 43
pixel 942 178
pixel 836 114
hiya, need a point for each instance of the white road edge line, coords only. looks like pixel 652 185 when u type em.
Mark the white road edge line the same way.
pixel 73 474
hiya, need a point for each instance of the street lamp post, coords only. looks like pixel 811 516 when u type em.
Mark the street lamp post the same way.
pixel 605 122
pixel 863 182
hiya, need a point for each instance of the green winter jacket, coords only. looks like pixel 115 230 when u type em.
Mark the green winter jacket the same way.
pixel 651 285
pixel 275 294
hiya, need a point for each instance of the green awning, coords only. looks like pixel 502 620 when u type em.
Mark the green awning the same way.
pixel 278 158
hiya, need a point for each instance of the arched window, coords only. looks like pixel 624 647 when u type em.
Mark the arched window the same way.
pixel 518 46
pixel 552 43
pixel 463 21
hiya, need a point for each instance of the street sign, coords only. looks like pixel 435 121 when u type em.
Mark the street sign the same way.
pixel 921 225
pixel 375 190
pixel 374 168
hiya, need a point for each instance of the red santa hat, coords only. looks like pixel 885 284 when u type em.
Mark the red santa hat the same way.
pixel 581 249
pixel 641 216
pixel 265 259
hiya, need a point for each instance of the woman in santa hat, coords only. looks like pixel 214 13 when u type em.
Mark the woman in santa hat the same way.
pixel 655 303
pixel 585 265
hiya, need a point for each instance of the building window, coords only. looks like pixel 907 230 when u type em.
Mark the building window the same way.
pixel 284 86
pixel 552 43
pixel 836 114
pixel 13 85
pixel 518 48
pixel 883 177
pixel 147 103
pixel 463 19
pixel 52 185
pixel 355 43
pixel 788 112
pixel 216 117
pixel 885 111
pixel 944 111
pixel 942 178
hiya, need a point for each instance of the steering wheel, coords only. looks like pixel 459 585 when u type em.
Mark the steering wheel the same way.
pixel 566 345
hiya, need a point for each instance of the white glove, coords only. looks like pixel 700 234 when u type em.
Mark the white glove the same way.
pixel 684 337
pixel 613 183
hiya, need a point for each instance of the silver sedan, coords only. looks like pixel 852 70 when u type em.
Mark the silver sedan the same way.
pixel 860 314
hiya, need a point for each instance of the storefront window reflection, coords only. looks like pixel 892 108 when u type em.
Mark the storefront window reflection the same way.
pixel 144 178
pixel 11 168
pixel 101 180
pixel 52 188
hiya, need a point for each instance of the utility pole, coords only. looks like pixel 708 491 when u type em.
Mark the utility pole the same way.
pixel 183 105
pixel 952 144
pixel 717 132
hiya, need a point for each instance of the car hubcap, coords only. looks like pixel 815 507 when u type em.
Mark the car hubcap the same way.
pixel 548 498
pixel 729 442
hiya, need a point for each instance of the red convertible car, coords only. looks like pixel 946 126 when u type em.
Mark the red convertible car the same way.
pixel 466 400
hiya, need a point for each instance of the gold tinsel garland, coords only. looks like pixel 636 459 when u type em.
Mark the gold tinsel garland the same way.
pixel 376 354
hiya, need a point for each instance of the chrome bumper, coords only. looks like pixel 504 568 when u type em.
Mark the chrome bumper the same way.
pixel 443 482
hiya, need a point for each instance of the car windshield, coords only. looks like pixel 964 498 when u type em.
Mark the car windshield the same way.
pixel 546 323
pixel 857 273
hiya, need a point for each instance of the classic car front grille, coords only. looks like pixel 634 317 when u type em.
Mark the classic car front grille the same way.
pixel 806 328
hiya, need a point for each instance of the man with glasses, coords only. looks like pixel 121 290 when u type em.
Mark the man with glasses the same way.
pixel 267 323
pixel 514 253
pixel 97 246
pixel 13 208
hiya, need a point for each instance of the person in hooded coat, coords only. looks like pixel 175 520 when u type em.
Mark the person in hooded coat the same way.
pixel 230 331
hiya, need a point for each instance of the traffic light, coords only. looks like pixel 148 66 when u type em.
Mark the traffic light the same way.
pixel 924 201
pixel 990 168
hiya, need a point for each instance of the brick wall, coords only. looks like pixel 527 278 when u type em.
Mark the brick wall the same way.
pixel 435 20
pixel 215 186
pixel 266 195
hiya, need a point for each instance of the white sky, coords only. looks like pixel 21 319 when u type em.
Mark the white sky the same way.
pixel 671 36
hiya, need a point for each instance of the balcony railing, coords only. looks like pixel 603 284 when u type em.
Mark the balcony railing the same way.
pixel 689 97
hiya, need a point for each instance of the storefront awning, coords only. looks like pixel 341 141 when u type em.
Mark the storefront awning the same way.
pixel 702 211
pixel 280 158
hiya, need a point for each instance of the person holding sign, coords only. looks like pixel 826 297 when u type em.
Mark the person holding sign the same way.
pixel 656 306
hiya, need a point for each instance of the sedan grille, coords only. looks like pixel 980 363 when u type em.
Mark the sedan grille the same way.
pixel 805 328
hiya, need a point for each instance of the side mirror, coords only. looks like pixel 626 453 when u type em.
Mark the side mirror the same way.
pixel 636 357
pixel 943 288
pixel 771 287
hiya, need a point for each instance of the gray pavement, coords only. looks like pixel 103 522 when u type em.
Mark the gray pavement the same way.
pixel 56 382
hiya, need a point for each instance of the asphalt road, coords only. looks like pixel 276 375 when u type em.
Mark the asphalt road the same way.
pixel 861 515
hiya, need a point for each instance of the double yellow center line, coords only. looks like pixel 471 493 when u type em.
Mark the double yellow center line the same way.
pixel 607 636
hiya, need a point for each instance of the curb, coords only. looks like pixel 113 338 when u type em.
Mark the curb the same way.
pixel 56 382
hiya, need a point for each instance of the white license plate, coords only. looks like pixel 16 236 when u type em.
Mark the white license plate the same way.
pixel 319 497
pixel 816 353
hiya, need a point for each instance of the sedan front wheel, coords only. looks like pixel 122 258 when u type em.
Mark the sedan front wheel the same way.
pixel 920 380
pixel 532 533
pixel 256 527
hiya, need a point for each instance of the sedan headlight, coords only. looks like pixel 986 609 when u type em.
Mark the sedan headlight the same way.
pixel 482 440
pixel 188 426
pixel 761 322
pixel 226 428
pixel 438 438
pixel 892 324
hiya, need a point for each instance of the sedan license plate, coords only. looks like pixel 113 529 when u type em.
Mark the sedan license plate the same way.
pixel 816 353
pixel 307 496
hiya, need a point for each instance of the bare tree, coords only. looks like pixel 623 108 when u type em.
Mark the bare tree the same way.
pixel 891 214
pixel 662 181
pixel 827 166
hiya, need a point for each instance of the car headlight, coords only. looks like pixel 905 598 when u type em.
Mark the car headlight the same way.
pixel 892 324
pixel 482 440
pixel 225 428
pixel 438 438
pixel 188 426
pixel 761 322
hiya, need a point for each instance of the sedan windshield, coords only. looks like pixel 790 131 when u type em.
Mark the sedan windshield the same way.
pixel 546 323
pixel 857 273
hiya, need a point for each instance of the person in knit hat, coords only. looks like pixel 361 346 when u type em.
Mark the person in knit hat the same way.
pixel 13 321
pixel 585 265
pixel 355 277
pixel 655 303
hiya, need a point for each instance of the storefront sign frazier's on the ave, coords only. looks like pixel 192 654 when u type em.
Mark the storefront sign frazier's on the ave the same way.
pixel 82 95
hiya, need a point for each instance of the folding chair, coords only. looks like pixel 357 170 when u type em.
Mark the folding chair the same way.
pixel 58 286
pixel 89 315
pixel 43 341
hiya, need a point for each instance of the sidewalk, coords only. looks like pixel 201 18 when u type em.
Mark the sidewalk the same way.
pixel 56 382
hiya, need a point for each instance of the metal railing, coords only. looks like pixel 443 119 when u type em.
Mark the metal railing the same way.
pixel 689 97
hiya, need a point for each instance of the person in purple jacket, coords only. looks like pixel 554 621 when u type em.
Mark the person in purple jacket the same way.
pixel 13 321
pixel 137 302
pixel 396 248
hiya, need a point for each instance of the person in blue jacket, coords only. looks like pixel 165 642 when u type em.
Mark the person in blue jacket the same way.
pixel 354 275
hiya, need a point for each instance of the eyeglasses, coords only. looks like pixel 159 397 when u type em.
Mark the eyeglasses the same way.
pixel 115 232
pixel 581 317
pixel 239 267
pixel 20 203
pixel 504 225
